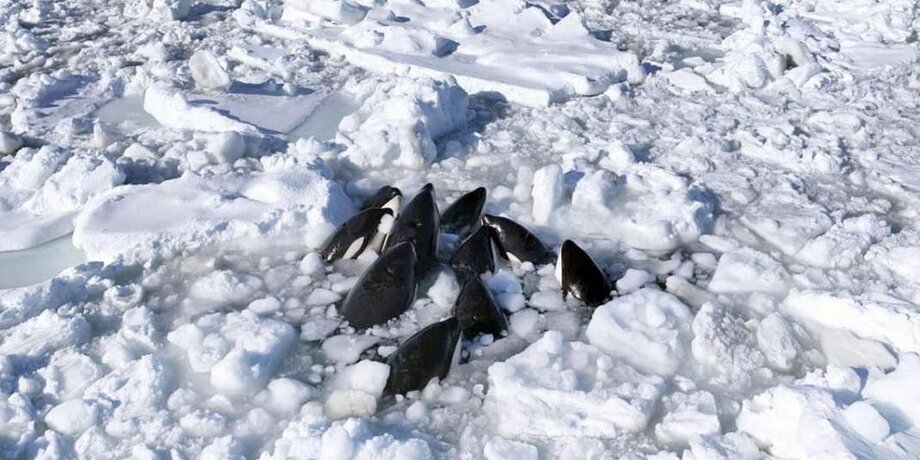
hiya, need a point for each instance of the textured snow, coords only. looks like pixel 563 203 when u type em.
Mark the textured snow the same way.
pixel 744 172
pixel 203 210
pixel 648 329
pixel 585 393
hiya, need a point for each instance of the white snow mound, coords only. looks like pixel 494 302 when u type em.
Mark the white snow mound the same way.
pixel 561 389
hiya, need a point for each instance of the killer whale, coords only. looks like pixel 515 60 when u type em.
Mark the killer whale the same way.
pixel 358 234
pixel 462 216
pixel 580 275
pixel 418 222
pixel 385 197
pixel 385 290
pixel 427 354
pixel 475 255
pixel 514 240
pixel 477 311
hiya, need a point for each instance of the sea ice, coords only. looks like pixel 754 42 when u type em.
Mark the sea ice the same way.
pixel 649 329
pixel 398 121
pixel 208 72
pixel 556 388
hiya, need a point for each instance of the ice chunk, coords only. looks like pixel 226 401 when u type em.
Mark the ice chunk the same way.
pixel 762 51
pixel 322 296
pixel 240 351
pixel 44 334
pixel 687 416
pixel 547 301
pixel 225 287
pixel 356 389
pixel 208 72
pixel 287 395
pixel 226 147
pixel 506 449
pixel 265 305
pixel 894 394
pixel 193 210
pixel 72 417
pixel 725 348
pixel 562 389
pixel 867 421
pixel 800 422
pixel 68 374
pixel 646 208
pixel 776 341
pixel 648 329
pixel 366 376
pixel 887 320
pixel 508 47
pixel 547 192
pixel 342 11
pixel 899 259
pixel 346 349
pixel 224 448
pixel 43 189
pixel 132 396
pixel 399 120
pixel 17 423
pixel 158 9
pixel 746 270
pixel 259 345
pixel 81 178
pixel 786 218
pixel 313 436
pixel 525 323
pixel 731 446
pixel 444 290
pixel 172 9
pixel 632 280
pixel 843 348
pixel 844 243
pixel 172 109
pixel 9 143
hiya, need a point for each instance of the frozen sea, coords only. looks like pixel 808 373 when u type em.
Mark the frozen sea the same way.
pixel 745 173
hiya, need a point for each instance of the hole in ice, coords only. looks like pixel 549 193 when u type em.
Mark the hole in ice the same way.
pixel 34 265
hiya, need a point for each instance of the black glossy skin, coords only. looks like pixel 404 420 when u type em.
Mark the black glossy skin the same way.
pixel 581 277
pixel 384 291
pixel 381 197
pixel 478 312
pixel 474 256
pixel 462 215
pixel 418 222
pixel 514 239
pixel 362 225
pixel 426 355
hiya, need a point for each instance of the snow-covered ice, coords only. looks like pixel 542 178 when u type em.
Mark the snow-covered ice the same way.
pixel 556 388
pixel 648 329
pixel 744 172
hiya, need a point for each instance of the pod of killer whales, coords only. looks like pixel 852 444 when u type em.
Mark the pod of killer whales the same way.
pixel 407 239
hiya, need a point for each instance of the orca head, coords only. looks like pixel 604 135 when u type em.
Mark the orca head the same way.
pixel 462 216
pixel 478 312
pixel 580 275
pixel 515 242
pixel 475 255
pixel 426 355
pixel 385 197
pixel 419 220
pixel 385 290
pixel 355 236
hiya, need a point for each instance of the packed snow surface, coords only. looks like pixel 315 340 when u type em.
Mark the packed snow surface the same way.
pixel 746 173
